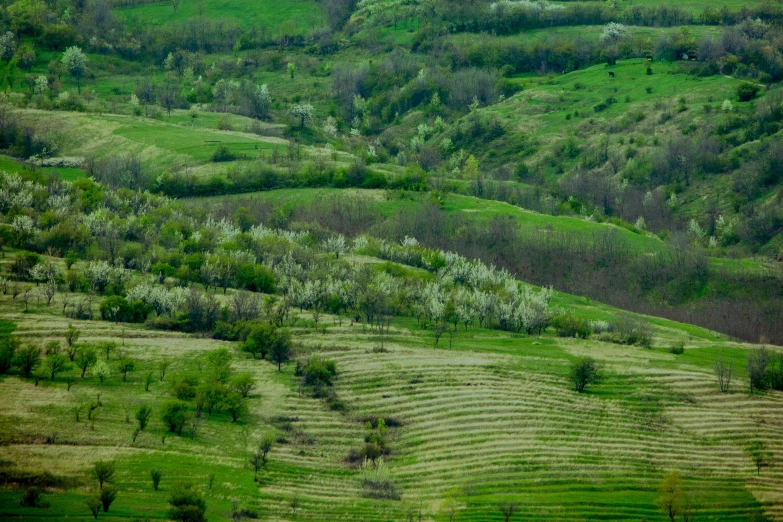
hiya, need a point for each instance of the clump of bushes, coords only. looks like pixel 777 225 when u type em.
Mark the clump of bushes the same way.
pixel 118 309
pixel 318 375
pixel 626 330
pixel 316 371
pixel 570 325
pixel 747 91
pixel 31 497
pixel 222 153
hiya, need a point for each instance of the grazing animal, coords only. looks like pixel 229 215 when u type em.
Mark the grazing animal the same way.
pixel 611 73
pixel 564 71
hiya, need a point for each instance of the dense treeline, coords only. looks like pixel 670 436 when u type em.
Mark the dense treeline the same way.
pixel 513 17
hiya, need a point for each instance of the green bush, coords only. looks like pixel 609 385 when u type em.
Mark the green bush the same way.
pixel 256 278
pixel 747 91
pixel 237 331
pixel 316 371
pixel 571 326
pixel 583 372
pixel 118 309
pixel 174 415
pixel 187 505
pixel 223 154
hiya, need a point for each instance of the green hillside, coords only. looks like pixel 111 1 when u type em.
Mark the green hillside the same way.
pixel 391 260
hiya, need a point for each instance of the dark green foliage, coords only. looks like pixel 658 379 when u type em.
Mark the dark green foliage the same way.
pixel 260 340
pixel 186 504
pixel 760 455
pixel 602 106
pixel 155 475
pixel 758 362
pixel 184 387
pixel 316 371
pixel 280 351
pixel 259 457
pixel 747 91
pixel 163 270
pixel 210 395
pixel 143 416
pixel 235 405
pixel 233 331
pixel 57 37
pixel 256 278
pixel 71 337
pixel 583 372
pixel 219 362
pixel 27 359
pixel 107 496
pixel 86 356
pixel 222 153
pixel 126 366
pixel 103 472
pixel 775 372
pixel 8 348
pixel 55 364
pixel 570 325
pixel 31 497
pixel 678 349
pixel 629 330
pixel 118 309
pixel 175 414
pixel 243 384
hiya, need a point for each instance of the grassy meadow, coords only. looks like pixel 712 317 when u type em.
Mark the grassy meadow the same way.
pixel 297 16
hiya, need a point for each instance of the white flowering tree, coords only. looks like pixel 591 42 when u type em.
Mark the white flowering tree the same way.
pixel 75 62
pixel 7 46
pixel 99 274
pixel 335 245
pixel 304 113
pixel 612 36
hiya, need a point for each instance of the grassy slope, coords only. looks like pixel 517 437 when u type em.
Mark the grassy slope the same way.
pixel 554 109
pixel 493 412
pixel 159 143
pixel 8 164
pixel 541 109
pixel 291 16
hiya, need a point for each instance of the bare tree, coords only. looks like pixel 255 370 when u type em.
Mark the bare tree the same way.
pixel 26 296
pixel 245 306
pixel 723 372
pixel 65 299
pixel 50 289
pixel 441 327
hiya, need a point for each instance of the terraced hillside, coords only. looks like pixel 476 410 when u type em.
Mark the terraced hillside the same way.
pixel 486 418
